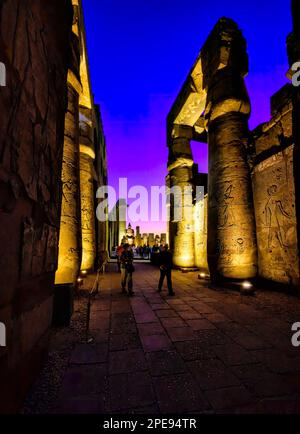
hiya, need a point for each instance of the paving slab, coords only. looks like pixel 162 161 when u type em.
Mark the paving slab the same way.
pixel 202 351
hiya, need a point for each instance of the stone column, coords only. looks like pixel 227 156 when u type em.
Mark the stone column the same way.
pixel 69 250
pixel 87 157
pixel 232 251
pixel 200 219
pixel 69 241
pixel 180 181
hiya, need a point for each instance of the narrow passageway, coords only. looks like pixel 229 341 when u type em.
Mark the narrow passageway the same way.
pixel 200 351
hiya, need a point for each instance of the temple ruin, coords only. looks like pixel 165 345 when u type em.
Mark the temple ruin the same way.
pixel 53 159
pixel 246 225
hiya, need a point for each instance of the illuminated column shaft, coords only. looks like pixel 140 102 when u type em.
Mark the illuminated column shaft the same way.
pixel 200 218
pixel 69 241
pixel 181 227
pixel 122 207
pixel 232 249
pixel 87 157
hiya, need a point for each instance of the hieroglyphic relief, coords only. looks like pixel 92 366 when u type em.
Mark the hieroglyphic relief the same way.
pixel 275 215
pixel 200 224
pixel 227 217
pixel 39 251
pixel 274 199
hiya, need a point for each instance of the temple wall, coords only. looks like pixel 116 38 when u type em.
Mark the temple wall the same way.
pixel 274 196
pixel 34 44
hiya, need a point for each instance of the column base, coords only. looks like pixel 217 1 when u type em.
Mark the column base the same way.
pixel 188 269
pixel 63 304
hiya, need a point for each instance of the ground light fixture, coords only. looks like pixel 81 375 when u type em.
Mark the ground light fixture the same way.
pixel 247 285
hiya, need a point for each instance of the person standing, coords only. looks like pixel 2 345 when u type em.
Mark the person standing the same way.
pixel 127 269
pixel 119 251
pixel 166 265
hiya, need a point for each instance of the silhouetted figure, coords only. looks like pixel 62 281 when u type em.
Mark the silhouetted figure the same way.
pixel 127 269
pixel 119 251
pixel 166 265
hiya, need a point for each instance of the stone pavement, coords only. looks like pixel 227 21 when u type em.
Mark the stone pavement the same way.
pixel 202 351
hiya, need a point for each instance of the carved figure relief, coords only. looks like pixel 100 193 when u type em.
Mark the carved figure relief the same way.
pixel 227 216
pixel 240 246
pixel 275 215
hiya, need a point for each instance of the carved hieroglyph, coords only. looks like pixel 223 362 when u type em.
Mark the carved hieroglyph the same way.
pixel 69 252
pixel 274 198
pixel 87 212
pixel 181 209
pixel 231 225
pixel 216 84
pixel 200 222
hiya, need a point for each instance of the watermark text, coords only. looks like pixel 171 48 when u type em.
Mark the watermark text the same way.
pixel 2 335
pixel 2 74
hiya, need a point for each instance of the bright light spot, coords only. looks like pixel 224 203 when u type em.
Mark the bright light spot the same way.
pixel 247 285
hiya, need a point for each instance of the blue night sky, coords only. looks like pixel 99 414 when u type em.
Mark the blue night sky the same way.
pixel 140 52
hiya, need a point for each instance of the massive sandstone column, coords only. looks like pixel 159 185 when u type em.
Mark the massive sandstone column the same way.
pixel 69 249
pixel 87 193
pixel 200 219
pixel 69 241
pixel 180 181
pixel 232 251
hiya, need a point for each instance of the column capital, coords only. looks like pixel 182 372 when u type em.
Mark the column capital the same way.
pixel 74 81
pixel 87 150
pixel 181 162
pixel 180 153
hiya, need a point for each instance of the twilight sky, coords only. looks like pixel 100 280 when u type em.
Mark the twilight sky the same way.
pixel 140 52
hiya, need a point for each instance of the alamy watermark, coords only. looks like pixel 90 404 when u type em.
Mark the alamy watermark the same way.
pixel 296 336
pixel 156 204
pixel 2 335
pixel 296 75
pixel 2 74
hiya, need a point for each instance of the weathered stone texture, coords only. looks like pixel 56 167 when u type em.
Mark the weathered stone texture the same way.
pixel 200 222
pixel 274 198
pixel 69 237
pixel 253 180
pixel 231 226
pixel 34 43
pixel 87 212
pixel 182 216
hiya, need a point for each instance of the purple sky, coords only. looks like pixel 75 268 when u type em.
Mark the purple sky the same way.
pixel 140 52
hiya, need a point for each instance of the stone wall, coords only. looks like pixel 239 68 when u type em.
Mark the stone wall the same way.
pixel 34 46
pixel 274 193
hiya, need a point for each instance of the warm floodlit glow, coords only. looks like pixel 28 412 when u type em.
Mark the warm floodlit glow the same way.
pixel 247 285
